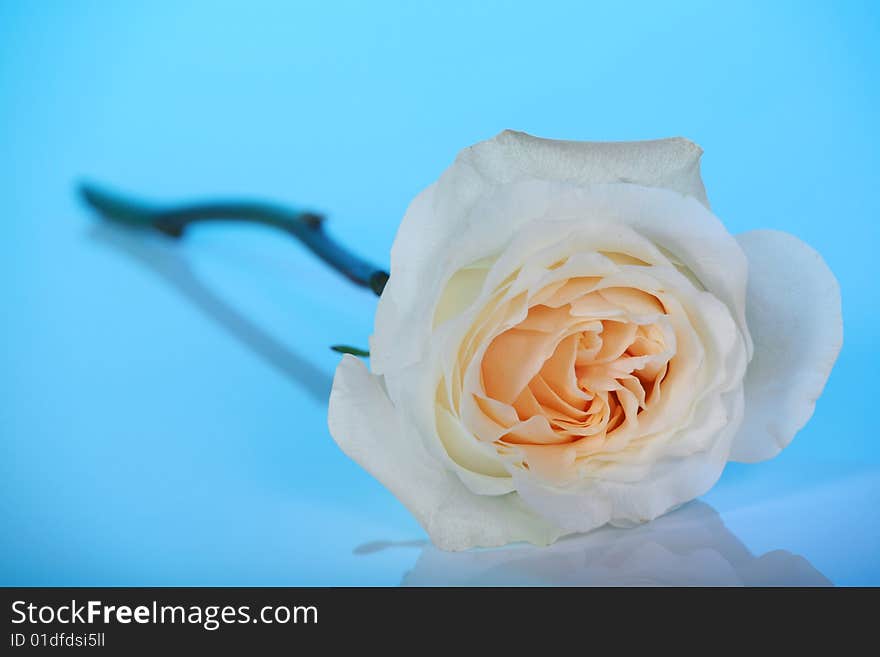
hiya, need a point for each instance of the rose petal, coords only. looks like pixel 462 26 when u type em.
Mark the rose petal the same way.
pixel 475 463
pixel 794 315
pixel 365 426
pixel 672 164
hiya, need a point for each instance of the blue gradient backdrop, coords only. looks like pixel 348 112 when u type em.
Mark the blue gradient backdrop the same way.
pixel 163 406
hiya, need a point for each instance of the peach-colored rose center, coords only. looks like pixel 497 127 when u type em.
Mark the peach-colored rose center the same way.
pixel 576 370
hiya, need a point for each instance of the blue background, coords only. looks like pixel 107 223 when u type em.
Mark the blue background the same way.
pixel 163 414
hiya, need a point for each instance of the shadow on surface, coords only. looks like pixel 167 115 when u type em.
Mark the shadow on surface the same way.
pixel 168 261
pixel 688 547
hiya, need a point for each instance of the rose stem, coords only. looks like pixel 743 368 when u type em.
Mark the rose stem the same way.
pixel 307 227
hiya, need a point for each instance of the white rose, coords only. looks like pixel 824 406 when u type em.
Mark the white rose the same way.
pixel 570 338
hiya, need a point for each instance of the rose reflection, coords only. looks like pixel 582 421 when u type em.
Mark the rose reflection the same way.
pixel 690 547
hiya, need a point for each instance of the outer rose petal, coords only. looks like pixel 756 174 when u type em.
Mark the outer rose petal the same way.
pixel 794 315
pixel 366 427
pixel 672 164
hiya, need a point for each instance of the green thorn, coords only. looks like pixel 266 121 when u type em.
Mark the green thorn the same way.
pixel 354 351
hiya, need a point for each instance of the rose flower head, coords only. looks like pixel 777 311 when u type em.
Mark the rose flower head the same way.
pixel 570 338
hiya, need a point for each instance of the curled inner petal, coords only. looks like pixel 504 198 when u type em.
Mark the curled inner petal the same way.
pixel 578 369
